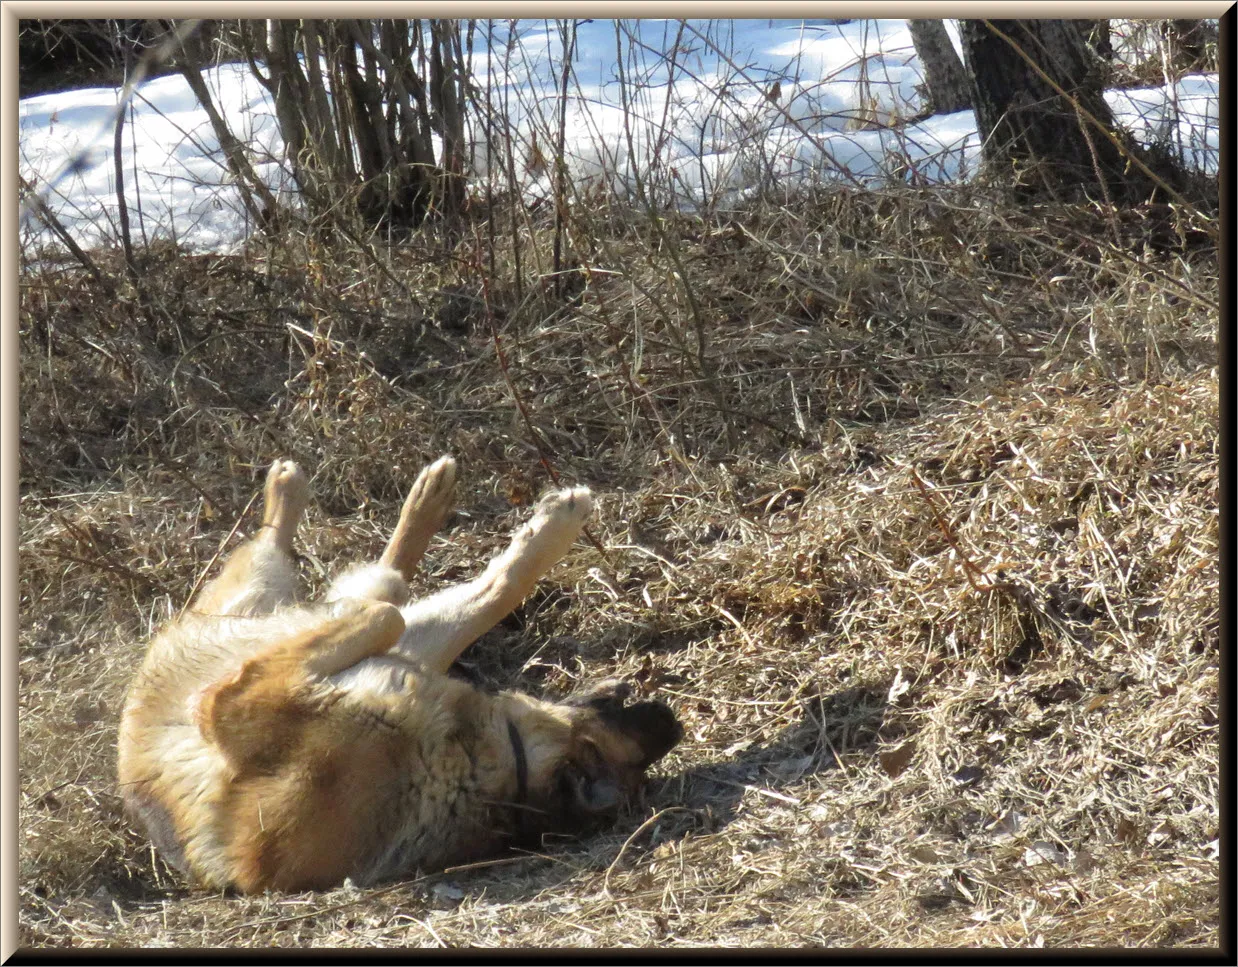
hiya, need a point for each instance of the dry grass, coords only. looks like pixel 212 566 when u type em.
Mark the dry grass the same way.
pixel 909 506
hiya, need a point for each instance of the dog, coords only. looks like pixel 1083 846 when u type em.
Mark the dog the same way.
pixel 268 744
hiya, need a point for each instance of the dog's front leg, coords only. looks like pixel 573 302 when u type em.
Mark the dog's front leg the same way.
pixel 261 711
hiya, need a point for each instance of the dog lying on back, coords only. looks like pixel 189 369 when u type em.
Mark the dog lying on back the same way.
pixel 270 744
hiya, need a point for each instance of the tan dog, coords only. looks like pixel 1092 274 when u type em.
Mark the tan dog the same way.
pixel 266 744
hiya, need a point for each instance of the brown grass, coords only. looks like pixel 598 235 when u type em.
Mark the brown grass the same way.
pixel 909 506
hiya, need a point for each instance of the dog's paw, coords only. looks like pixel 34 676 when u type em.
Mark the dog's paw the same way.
pixel 551 531
pixel 286 494
pixel 569 506
pixel 435 487
pixel 285 480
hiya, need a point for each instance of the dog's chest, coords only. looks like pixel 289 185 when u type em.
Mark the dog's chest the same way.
pixel 445 814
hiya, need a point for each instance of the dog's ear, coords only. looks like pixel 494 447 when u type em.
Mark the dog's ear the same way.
pixel 651 725
pixel 608 695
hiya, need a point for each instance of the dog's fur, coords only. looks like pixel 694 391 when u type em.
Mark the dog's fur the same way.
pixel 267 744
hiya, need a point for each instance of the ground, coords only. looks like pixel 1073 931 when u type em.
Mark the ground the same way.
pixel 907 504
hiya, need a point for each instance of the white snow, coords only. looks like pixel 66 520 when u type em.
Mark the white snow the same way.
pixel 686 110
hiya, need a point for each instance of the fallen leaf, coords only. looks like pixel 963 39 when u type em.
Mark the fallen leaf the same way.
pixel 792 768
pixel 87 713
pixel 447 891
pixel 1097 701
pixel 895 761
pixel 1007 825
pixel 1160 835
pixel 898 687
pixel 1127 832
pixel 1043 851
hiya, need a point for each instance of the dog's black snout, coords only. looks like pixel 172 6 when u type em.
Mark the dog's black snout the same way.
pixel 652 725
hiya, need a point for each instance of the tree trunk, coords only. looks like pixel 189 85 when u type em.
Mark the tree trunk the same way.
pixel 1096 35
pixel 946 85
pixel 255 194
pixel 1042 115
pixel 1046 137
pixel 446 88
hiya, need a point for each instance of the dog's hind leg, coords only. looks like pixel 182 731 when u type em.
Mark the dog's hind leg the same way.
pixel 426 507
pixel 440 627
pixel 261 574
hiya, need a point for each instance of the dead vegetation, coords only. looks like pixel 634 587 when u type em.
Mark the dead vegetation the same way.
pixel 909 506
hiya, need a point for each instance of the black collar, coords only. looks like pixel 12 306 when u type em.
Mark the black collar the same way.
pixel 522 763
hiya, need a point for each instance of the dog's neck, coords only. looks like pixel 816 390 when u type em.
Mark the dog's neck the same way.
pixel 522 763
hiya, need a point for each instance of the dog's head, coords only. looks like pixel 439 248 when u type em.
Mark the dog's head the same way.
pixel 613 743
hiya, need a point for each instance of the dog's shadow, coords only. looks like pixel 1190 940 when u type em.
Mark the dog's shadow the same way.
pixel 825 727
pixel 704 799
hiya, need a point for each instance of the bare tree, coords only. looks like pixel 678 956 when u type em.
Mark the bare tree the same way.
pixel 946 84
pixel 359 103
pixel 257 197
